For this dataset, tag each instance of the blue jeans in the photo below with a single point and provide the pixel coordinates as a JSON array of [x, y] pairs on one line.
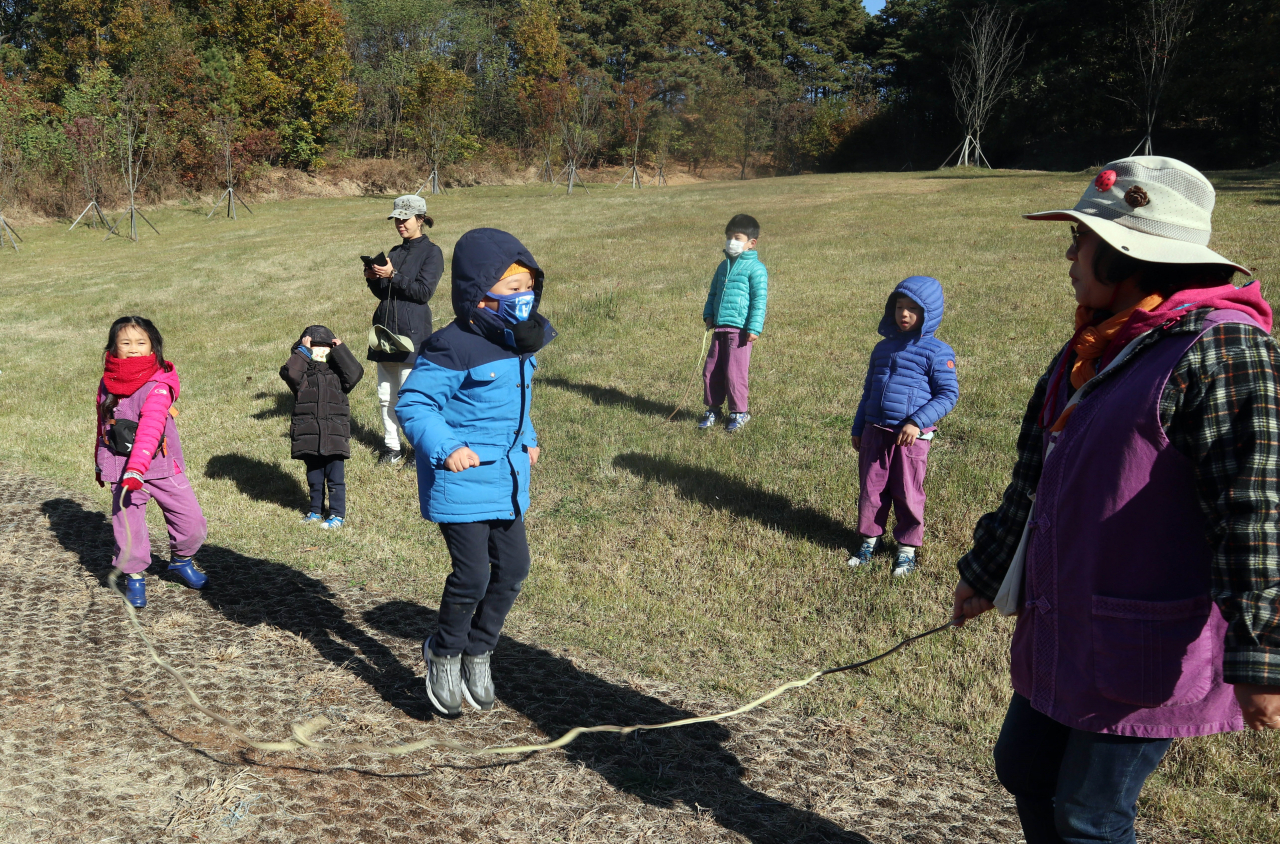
[[1070, 785]]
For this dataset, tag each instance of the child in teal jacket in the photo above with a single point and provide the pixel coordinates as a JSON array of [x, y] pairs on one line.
[[735, 313]]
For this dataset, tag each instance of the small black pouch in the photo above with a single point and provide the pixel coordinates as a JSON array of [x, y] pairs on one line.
[[120, 435]]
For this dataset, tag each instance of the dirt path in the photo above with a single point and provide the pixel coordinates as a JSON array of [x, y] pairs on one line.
[[97, 744]]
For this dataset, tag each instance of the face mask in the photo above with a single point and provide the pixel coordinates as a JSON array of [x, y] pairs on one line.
[[734, 247], [319, 354], [514, 307]]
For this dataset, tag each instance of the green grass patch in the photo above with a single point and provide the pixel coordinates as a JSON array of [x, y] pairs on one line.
[[711, 561]]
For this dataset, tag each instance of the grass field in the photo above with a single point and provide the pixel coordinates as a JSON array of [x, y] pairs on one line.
[[700, 560]]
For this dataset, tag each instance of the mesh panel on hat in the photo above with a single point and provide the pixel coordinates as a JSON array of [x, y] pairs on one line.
[[1149, 226], [1196, 190]]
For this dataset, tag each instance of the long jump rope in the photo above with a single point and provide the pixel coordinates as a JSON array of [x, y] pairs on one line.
[[302, 731]]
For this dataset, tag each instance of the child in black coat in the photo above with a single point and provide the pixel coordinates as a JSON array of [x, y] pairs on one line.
[[320, 372]]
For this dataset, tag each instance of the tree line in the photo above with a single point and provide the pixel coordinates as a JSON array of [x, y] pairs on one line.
[[773, 87]]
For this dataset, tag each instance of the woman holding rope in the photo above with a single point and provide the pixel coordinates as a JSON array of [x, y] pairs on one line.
[[1139, 539]]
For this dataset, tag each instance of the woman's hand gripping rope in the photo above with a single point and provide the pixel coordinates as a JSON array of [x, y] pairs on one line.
[[301, 732], [693, 380]]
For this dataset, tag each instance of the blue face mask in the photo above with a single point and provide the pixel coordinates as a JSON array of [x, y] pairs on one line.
[[514, 307]]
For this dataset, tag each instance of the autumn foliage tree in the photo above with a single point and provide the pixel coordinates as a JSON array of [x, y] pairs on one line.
[[439, 106]]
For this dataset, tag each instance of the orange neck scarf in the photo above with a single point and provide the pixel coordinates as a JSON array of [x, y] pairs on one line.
[[1091, 344]]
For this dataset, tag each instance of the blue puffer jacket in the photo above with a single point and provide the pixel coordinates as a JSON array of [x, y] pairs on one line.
[[470, 388], [910, 376]]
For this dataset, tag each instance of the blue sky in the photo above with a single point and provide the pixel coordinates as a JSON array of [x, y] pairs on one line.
[[873, 6]]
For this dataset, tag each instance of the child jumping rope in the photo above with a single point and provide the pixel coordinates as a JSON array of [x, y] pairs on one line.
[[138, 453], [465, 410]]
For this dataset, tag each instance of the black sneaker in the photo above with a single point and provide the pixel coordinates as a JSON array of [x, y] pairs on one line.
[[390, 457]]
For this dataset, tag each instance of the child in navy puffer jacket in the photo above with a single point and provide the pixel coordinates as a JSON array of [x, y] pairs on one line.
[[465, 409], [910, 385]]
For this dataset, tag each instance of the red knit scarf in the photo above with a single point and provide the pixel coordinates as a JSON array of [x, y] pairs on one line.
[[123, 376]]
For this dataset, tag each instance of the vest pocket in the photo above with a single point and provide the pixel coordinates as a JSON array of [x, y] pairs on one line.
[[1153, 653]]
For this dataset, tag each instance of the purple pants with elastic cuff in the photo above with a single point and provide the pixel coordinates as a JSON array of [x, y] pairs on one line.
[[725, 375], [182, 516], [891, 474]]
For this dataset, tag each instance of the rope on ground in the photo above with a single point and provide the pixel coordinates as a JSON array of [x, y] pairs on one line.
[[302, 731], [702, 356]]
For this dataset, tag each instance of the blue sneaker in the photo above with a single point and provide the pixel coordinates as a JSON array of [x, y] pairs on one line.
[[865, 552], [185, 569], [312, 517], [906, 562], [332, 523], [736, 421], [708, 419], [135, 591]]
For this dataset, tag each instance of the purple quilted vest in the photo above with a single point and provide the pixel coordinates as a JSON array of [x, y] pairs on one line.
[[1118, 633], [167, 461]]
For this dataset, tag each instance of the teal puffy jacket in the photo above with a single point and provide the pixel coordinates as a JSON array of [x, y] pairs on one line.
[[738, 293]]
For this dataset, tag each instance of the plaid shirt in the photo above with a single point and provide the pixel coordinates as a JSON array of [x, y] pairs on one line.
[[1221, 409]]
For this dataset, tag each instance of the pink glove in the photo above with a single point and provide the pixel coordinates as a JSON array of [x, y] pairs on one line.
[[132, 481]]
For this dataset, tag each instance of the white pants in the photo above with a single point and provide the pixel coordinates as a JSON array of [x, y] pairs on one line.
[[391, 378]]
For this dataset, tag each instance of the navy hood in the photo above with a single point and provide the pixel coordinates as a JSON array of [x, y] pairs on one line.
[[480, 257], [926, 292]]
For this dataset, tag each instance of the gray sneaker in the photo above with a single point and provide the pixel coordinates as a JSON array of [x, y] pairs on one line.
[[736, 421], [905, 564], [390, 457], [444, 680], [477, 681]]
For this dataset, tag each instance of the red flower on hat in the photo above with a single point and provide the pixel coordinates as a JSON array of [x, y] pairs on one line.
[[1105, 180]]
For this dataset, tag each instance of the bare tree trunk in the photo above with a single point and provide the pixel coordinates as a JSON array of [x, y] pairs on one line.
[[1157, 37], [980, 77]]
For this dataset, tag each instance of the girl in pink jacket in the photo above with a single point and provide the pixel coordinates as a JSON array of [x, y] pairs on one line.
[[138, 452]]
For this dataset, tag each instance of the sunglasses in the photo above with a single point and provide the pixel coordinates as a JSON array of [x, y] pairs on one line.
[[1077, 235]]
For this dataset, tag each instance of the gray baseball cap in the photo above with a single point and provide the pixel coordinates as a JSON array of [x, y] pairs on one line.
[[409, 206]]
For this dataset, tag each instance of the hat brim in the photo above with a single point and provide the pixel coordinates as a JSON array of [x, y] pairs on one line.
[[401, 215], [1140, 245]]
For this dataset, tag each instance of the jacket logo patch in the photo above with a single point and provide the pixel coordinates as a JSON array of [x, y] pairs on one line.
[[951, 364]]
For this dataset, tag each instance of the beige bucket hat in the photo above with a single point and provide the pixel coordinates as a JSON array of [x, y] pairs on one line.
[[1152, 208]]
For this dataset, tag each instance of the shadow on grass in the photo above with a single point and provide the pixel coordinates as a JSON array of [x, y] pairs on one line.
[[283, 409], [260, 480], [252, 591], [724, 492], [684, 766], [613, 397]]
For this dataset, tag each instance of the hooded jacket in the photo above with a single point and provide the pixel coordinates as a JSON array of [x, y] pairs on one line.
[[471, 388], [739, 293], [321, 425], [911, 376], [1213, 420], [405, 296]]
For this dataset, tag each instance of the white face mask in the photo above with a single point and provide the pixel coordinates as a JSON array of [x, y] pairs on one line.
[[319, 354], [734, 247]]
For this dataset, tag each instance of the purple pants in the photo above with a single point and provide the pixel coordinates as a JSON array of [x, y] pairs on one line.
[[891, 474], [187, 527], [728, 360]]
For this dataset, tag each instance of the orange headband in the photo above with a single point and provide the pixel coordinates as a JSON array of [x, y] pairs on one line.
[[515, 269]]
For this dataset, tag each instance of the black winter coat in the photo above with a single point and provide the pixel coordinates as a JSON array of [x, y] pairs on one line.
[[404, 307], [321, 424]]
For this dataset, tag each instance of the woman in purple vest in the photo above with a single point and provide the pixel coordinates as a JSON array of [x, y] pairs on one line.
[[1139, 539]]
